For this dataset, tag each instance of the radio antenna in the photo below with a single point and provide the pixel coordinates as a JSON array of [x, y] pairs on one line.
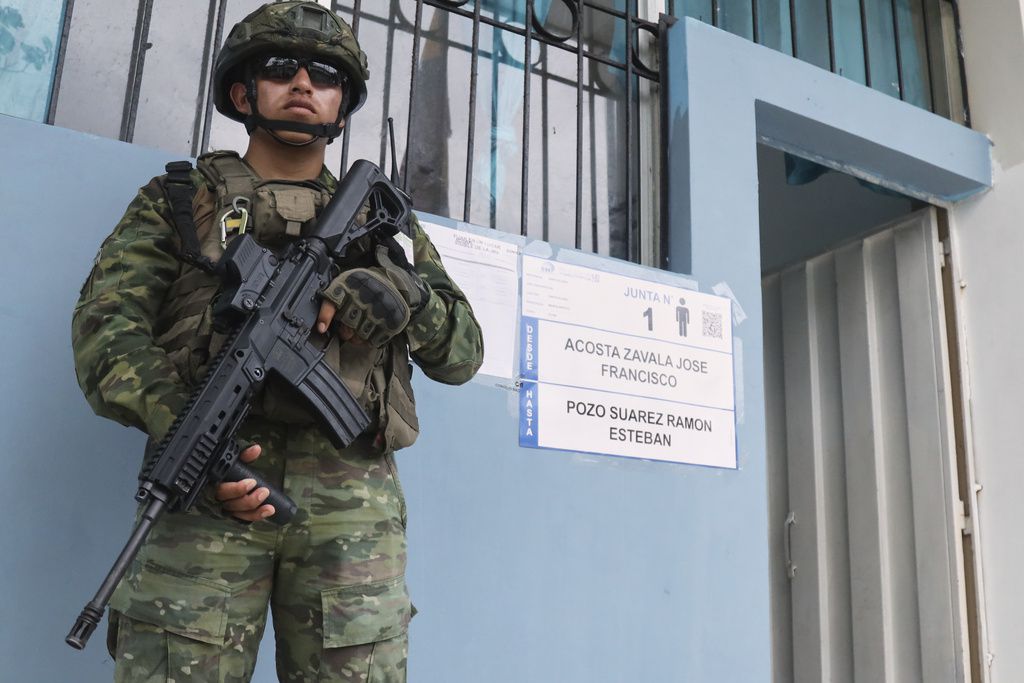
[[394, 155]]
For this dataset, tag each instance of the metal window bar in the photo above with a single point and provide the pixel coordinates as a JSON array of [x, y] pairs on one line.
[[792, 24], [864, 40], [473, 73], [579, 138], [592, 111], [545, 143], [135, 70], [959, 47], [417, 34], [524, 216], [356, 14], [753, 21], [214, 29], [831, 36], [899, 52], [663, 102], [58, 70], [927, 47], [389, 64], [632, 231]]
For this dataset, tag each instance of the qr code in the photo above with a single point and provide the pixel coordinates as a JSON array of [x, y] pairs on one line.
[[712, 324]]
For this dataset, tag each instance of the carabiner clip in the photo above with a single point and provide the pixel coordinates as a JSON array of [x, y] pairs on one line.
[[236, 220]]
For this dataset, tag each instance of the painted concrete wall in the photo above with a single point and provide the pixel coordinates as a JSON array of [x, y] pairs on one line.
[[526, 565], [988, 244]]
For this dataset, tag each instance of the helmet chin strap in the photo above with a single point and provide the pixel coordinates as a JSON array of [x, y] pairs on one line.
[[256, 120], [290, 143]]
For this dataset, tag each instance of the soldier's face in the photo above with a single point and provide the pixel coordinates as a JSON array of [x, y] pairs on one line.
[[298, 98]]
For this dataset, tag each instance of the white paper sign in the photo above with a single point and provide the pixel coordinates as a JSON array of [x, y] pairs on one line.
[[486, 270], [575, 419], [565, 293], [623, 366], [609, 361]]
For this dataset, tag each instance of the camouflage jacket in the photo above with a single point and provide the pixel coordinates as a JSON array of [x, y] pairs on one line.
[[128, 377]]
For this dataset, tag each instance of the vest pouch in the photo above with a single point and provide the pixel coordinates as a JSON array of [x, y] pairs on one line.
[[402, 427], [355, 364], [280, 210]]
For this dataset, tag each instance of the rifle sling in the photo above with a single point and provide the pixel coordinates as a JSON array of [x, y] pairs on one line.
[[180, 193]]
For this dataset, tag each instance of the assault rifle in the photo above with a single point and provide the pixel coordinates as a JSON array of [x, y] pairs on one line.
[[269, 302]]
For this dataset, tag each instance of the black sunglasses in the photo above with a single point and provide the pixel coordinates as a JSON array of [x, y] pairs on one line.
[[285, 68]]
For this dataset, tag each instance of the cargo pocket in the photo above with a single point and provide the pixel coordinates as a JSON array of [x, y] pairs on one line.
[[366, 613], [193, 607]]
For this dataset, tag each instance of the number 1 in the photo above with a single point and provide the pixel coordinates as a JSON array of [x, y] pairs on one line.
[[649, 314]]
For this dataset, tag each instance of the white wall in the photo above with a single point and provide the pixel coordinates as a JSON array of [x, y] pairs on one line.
[[988, 245]]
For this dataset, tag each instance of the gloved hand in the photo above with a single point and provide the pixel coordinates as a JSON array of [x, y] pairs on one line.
[[376, 303]]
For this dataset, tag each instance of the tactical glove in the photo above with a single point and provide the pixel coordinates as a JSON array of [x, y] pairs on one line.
[[377, 302]]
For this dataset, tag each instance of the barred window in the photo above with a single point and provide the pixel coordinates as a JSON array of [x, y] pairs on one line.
[[555, 156]]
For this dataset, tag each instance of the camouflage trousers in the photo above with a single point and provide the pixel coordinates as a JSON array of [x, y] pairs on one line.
[[193, 606]]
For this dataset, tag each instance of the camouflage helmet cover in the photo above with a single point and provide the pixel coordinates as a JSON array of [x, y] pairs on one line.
[[305, 28]]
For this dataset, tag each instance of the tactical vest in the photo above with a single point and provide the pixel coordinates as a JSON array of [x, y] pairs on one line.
[[275, 211]]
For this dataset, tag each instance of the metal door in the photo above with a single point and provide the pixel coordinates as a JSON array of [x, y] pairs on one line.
[[864, 512]]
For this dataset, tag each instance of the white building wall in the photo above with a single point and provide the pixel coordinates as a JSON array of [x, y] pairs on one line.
[[987, 236]]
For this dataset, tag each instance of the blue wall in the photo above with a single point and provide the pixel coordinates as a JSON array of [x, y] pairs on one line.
[[66, 477]]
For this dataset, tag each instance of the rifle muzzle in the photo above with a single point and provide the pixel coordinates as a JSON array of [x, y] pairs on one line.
[[86, 623]]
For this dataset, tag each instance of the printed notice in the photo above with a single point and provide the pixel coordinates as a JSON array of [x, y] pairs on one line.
[[486, 270], [622, 366]]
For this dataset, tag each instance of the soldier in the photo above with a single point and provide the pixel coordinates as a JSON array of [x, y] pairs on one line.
[[193, 606]]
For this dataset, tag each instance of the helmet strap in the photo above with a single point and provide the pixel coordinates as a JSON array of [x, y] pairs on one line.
[[289, 142], [256, 120]]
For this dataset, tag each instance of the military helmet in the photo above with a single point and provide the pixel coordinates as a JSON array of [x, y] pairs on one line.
[[289, 28]]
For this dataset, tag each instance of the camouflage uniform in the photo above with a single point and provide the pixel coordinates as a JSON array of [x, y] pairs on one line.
[[193, 605]]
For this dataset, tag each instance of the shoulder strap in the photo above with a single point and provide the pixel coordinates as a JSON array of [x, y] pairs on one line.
[[229, 174], [180, 193]]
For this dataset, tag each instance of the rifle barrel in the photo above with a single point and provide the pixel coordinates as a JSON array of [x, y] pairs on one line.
[[92, 613]]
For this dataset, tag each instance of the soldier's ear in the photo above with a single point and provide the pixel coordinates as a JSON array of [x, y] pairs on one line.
[[238, 98]]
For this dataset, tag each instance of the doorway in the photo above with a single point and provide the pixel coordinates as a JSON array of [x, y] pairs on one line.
[[864, 513]]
